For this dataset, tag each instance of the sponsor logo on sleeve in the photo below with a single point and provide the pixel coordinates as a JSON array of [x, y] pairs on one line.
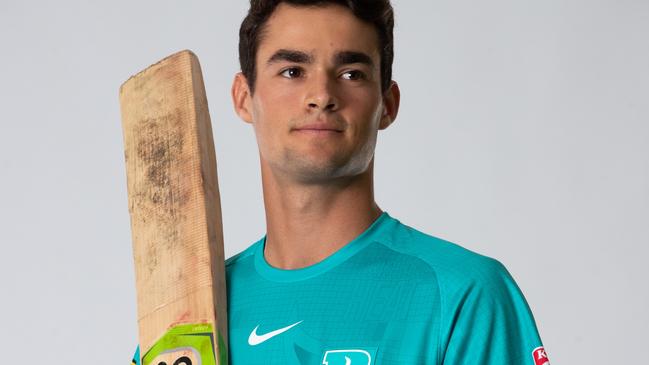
[[540, 356]]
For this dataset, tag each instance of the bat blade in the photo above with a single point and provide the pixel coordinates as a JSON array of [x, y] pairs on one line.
[[174, 205]]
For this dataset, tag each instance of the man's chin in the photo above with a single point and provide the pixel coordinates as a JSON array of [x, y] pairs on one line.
[[323, 172]]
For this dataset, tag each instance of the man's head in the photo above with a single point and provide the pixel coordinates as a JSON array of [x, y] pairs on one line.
[[319, 96], [377, 12]]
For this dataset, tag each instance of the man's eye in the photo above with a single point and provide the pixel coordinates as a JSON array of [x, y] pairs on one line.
[[291, 73], [353, 75]]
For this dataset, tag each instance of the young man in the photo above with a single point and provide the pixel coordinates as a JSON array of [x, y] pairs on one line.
[[336, 280]]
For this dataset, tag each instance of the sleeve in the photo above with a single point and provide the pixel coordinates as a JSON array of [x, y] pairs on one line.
[[136, 357], [488, 321]]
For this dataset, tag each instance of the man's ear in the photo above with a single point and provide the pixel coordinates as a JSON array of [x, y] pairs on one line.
[[241, 97], [391, 98]]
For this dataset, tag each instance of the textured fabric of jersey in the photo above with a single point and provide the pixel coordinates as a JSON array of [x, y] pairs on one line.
[[393, 295]]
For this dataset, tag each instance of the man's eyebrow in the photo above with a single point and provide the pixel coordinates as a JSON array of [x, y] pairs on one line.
[[290, 55], [347, 57]]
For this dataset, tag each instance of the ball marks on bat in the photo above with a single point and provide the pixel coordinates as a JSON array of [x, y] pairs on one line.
[[159, 195]]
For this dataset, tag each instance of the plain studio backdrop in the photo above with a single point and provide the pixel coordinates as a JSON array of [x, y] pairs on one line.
[[523, 135]]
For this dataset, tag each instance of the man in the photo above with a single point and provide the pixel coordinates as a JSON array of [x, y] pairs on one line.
[[336, 280]]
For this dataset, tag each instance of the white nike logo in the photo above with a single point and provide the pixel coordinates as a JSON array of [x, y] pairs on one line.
[[255, 339]]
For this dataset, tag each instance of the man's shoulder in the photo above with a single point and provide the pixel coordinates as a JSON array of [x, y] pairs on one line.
[[242, 257], [450, 262], [477, 296]]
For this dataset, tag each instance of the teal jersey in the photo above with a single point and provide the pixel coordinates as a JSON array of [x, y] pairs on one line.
[[393, 295]]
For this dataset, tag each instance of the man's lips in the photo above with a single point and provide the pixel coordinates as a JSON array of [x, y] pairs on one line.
[[319, 127]]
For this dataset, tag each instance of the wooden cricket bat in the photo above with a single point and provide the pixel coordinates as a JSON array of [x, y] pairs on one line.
[[175, 210]]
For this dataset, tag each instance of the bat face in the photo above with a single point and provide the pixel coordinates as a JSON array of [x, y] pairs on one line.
[[180, 356], [175, 214]]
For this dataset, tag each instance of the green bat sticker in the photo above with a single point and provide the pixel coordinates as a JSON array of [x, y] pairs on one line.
[[188, 344]]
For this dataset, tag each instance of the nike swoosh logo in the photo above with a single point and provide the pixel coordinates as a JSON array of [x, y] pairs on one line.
[[255, 339]]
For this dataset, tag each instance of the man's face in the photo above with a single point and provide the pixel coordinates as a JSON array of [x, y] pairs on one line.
[[317, 102]]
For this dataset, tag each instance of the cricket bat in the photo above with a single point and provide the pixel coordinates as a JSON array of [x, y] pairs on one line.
[[174, 205]]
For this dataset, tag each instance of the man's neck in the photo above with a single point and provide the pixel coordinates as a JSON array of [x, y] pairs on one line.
[[307, 223]]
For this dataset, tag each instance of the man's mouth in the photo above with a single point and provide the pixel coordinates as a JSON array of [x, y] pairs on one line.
[[319, 127]]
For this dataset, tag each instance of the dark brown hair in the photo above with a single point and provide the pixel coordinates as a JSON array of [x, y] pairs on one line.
[[377, 12]]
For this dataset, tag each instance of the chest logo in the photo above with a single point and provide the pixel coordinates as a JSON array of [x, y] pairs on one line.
[[255, 339], [349, 357]]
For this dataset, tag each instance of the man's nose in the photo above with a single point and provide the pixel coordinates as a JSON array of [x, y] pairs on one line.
[[321, 93]]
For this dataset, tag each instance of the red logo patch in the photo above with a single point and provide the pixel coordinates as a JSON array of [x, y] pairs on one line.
[[540, 357]]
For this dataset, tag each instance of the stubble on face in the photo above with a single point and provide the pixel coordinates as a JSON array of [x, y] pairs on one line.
[[308, 170]]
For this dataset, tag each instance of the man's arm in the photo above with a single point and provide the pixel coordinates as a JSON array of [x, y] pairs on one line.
[[490, 323]]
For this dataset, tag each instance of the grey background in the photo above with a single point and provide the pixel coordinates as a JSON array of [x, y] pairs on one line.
[[523, 135]]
